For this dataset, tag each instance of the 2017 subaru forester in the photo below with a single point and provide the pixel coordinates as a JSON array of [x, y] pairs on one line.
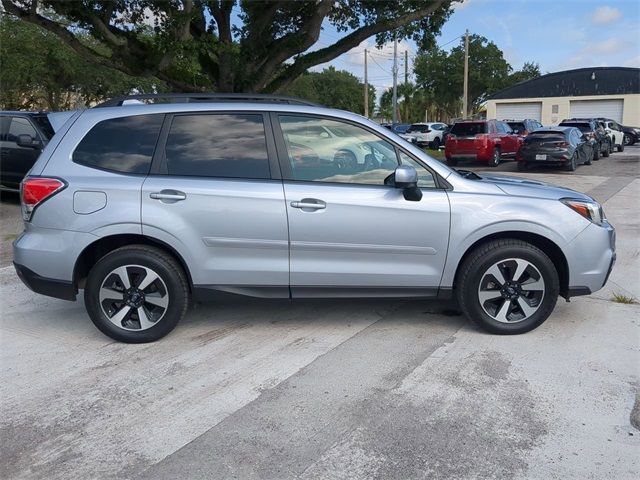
[[146, 206]]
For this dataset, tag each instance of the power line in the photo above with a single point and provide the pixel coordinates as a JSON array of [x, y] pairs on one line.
[[374, 61]]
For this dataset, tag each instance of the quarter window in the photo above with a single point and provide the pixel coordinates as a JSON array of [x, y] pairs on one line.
[[347, 154], [123, 144], [218, 145]]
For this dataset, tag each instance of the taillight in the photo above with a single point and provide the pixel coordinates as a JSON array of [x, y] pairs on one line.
[[35, 190], [561, 144]]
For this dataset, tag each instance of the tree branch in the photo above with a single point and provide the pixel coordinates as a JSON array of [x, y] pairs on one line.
[[302, 63]]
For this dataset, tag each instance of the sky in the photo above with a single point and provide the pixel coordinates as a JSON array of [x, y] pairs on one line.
[[557, 34]]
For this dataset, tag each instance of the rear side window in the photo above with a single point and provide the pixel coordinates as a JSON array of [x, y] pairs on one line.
[[469, 129], [123, 145], [517, 127], [21, 126], [418, 128], [584, 127], [219, 145]]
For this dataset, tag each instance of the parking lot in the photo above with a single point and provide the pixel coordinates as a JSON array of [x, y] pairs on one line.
[[332, 389]]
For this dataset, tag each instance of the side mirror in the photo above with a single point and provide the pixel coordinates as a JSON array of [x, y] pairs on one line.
[[406, 178], [27, 141]]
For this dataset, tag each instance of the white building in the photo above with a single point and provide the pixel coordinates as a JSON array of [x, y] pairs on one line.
[[610, 92]]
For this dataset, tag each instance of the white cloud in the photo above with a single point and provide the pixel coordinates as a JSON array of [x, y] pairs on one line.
[[461, 5], [605, 14]]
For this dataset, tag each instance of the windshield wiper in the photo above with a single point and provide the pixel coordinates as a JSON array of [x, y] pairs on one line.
[[468, 174]]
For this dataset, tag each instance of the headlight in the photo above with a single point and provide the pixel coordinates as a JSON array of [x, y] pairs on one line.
[[592, 211]]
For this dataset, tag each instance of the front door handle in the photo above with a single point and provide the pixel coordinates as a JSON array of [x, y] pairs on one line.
[[168, 196], [309, 204]]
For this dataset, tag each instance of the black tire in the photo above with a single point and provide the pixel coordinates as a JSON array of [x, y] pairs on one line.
[[570, 166], [436, 143], [588, 160], [495, 158], [596, 152], [605, 152], [168, 270], [345, 160], [628, 139], [621, 148], [452, 162], [522, 166], [474, 269]]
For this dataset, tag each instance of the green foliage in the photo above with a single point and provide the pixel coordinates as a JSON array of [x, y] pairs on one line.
[[333, 88], [412, 103], [441, 75], [39, 71], [194, 45]]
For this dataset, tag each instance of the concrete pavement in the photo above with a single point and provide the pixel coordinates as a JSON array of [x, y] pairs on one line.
[[329, 389]]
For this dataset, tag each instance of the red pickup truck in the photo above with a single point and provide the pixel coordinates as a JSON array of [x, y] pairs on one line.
[[483, 140]]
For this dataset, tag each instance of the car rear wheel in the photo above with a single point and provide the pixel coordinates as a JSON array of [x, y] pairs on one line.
[[606, 150], [495, 158], [571, 164], [136, 294], [621, 148], [436, 144], [596, 152], [507, 286], [627, 139]]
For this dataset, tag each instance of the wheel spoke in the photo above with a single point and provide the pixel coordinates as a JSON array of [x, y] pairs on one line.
[[485, 295], [501, 316], [123, 275], [527, 309], [497, 274], [110, 294], [144, 319], [521, 267], [120, 315], [535, 285], [149, 278], [159, 301]]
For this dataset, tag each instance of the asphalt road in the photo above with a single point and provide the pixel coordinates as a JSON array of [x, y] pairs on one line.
[[353, 389]]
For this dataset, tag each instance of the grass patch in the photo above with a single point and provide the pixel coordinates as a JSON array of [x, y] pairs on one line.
[[620, 298], [11, 236]]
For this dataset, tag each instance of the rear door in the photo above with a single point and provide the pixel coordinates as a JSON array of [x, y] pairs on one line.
[[17, 161], [351, 233], [215, 195], [509, 140]]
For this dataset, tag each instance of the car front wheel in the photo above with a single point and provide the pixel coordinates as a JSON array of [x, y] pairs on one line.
[[136, 294], [507, 286]]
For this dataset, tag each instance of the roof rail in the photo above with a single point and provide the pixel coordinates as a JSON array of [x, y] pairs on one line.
[[204, 97]]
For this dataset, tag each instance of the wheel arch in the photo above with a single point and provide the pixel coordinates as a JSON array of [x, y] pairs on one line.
[[549, 247], [104, 245]]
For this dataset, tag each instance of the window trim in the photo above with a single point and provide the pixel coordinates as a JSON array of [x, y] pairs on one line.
[[287, 172], [159, 161]]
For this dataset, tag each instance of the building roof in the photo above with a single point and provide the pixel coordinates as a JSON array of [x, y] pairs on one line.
[[576, 83]]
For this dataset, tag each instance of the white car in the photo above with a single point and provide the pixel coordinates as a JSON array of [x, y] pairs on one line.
[[614, 130], [428, 134]]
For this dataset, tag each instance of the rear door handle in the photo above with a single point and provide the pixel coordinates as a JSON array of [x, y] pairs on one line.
[[309, 204], [168, 196]]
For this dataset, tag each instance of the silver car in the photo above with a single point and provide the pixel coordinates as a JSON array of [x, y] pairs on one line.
[[147, 206]]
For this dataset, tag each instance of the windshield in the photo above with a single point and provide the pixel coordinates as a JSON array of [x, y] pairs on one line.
[[469, 129]]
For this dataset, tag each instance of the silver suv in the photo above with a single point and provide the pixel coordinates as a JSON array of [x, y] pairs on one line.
[[148, 205]]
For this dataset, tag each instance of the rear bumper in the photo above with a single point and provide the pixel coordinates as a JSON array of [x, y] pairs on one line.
[[552, 158], [46, 286]]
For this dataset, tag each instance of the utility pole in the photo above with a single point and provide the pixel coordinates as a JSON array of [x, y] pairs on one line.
[[366, 87], [395, 80], [406, 67], [466, 75]]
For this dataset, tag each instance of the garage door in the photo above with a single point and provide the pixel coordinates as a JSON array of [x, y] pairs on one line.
[[519, 111], [596, 108]]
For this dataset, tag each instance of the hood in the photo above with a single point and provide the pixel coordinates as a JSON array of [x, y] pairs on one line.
[[524, 187]]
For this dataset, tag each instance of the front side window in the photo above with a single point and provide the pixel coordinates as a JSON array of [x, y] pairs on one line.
[[219, 145], [354, 156], [21, 126], [124, 145], [425, 177]]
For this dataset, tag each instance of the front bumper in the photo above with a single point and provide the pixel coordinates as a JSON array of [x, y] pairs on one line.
[[591, 257]]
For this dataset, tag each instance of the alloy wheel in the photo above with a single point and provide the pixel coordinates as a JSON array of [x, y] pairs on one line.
[[133, 297], [511, 290]]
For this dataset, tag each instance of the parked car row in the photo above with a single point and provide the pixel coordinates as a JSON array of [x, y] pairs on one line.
[[574, 141]]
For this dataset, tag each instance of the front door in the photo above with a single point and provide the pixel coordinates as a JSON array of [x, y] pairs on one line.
[[215, 198], [17, 160], [348, 231]]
